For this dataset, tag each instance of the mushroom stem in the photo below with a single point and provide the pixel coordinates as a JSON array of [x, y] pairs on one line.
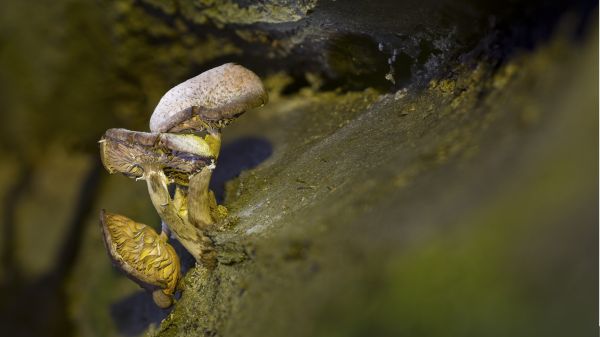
[[198, 200], [161, 299], [198, 207], [192, 238]]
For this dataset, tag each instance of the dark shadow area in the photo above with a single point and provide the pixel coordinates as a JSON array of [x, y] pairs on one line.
[[356, 62], [237, 156], [298, 82], [44, 296], [186, 259], [133, 314], [14, 195]]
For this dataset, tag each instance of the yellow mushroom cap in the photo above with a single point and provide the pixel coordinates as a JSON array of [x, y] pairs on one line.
[[140, 252]]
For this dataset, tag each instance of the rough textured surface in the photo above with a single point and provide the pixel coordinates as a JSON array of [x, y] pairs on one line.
[[243, 12], [424, 212]]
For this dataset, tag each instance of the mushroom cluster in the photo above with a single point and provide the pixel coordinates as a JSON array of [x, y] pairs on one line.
[[176, 159]]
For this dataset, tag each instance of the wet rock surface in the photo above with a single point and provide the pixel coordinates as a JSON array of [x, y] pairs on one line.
[[417, 212]]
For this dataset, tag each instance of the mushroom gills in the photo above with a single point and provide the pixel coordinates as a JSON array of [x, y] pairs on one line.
[[131, 152], [197, 124]]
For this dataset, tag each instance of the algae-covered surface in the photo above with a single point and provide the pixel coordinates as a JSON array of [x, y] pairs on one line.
[[464, 208]]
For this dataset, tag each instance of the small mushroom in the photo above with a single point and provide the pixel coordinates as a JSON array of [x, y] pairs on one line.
[[143, 255]]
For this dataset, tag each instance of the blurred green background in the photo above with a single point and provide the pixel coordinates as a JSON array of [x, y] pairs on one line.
[[434, 162]]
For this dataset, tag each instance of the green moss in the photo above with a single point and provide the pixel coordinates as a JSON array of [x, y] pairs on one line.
[[230, 12]]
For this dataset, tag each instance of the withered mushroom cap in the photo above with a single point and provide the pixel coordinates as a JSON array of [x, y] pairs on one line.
[[131, 153], [140, 252], [218, 94]]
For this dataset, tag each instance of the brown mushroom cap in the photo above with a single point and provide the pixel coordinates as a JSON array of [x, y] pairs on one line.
[[221, 93], [131, 152]]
